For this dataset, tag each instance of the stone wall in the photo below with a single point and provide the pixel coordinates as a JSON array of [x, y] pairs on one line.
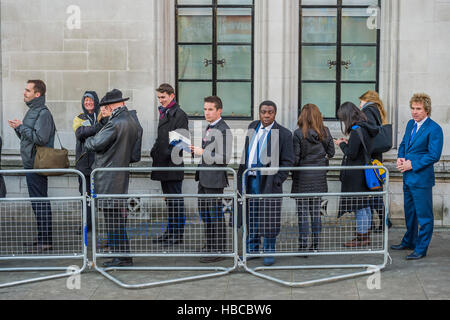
[[114, 47]]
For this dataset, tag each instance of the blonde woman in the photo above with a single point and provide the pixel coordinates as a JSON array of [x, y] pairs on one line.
[[373, 108]]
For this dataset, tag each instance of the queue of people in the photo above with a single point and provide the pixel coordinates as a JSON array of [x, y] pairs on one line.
[[109, 136]]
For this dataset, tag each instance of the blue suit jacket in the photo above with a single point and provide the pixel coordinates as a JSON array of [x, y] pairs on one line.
[[423, 151]]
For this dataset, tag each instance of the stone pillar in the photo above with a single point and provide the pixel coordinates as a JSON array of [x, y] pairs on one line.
[[276, 57]]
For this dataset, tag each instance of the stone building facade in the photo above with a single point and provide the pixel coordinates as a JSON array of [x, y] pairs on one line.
[[78, 45]]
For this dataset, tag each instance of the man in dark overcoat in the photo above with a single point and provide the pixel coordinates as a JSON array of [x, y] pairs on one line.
[[171, 119], [113, 146]]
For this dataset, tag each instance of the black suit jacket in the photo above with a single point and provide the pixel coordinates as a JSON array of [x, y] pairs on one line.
[[281, 142], [217, 144]]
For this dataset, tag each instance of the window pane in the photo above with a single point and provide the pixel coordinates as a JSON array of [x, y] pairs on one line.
[[319, 25], [237, 62], [236, 98], [238, 2], [315, 63], [351, 92], [323, 95], [363, 63], [194, 25], [319, 2], [355, 28], [191, 64], [191, 96], [360, 2], [188, 2], [234, 25]]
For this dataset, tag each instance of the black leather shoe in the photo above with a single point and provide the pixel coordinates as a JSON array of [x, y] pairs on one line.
[[30, 244], [415, 256], [39, 249], [400, 247], [161, 239], [211, 259], [172, 241], [119, 262]]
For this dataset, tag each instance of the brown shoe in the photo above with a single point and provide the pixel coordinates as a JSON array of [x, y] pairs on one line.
[[361, 240]]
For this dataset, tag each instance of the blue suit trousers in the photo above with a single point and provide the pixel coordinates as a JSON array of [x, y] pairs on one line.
[[419, 218]]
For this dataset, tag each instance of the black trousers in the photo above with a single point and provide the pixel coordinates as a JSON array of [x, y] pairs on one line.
[[175, 206], [309, 208], [211, 213], [38, 188], [116, 224]]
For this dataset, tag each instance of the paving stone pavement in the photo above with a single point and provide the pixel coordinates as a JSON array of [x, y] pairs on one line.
[[426, 279]]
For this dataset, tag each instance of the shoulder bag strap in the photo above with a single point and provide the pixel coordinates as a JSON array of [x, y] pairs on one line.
[[366, 153], [56, 131]]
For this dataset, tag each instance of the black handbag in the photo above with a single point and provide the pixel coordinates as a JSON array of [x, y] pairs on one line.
[[382, 142]]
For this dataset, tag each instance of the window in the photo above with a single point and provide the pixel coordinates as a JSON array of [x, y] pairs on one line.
[[214, 54], [339, 52]]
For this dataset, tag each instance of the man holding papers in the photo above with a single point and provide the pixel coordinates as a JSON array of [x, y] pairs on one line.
[[164, 154], [216, 151]]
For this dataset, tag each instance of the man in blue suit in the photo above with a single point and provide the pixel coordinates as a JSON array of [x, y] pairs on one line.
[[420, 149]]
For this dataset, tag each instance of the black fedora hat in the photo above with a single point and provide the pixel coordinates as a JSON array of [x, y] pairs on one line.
[[111, 97]]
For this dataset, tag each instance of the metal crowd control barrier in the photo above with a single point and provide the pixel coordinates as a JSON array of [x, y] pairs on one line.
[[314, 225], [150, 226], [37, 231]]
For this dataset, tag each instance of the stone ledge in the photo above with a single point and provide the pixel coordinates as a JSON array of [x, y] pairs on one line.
[[11, 160]]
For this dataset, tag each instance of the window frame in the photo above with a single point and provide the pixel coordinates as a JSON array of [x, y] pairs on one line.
[[214, 6], [338, 45]]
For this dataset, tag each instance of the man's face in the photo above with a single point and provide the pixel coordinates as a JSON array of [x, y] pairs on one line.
[[418, 111], [267, 115], [29, 93], [165, 99], [106, 111], [89, 104], [211, 112]]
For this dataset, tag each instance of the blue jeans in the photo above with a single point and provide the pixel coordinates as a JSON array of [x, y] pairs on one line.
[[363, 220]]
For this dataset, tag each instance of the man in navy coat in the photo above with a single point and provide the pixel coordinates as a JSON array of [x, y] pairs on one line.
[[268, 145], [420, 149]]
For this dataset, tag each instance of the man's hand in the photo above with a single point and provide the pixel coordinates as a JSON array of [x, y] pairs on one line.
[[405, 166], [197, 151], [14, 123], [400, 162]]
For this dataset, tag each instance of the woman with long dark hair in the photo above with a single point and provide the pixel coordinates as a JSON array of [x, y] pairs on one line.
[[353, 119], [372, 106], [313, 147]]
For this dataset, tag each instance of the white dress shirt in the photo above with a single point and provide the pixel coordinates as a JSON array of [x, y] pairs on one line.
[[419, 124], [252, 159]]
